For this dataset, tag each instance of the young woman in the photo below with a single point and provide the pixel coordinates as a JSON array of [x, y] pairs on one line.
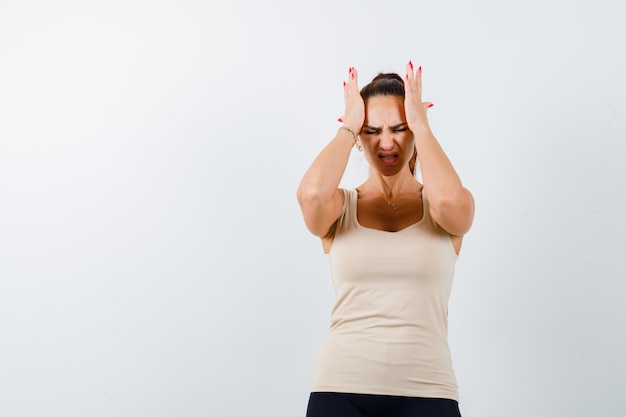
[[392, 244]]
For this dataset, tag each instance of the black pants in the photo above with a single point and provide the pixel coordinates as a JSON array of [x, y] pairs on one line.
[[334, 404]]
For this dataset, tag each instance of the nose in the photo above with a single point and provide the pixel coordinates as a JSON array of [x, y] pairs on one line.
[[386, 140]]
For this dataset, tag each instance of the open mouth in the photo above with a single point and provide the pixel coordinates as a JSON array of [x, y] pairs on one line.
[[388, 158]]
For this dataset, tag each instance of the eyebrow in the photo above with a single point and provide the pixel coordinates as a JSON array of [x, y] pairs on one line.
[[390, 127]]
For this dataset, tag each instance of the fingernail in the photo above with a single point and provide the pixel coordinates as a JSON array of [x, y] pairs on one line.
[[430, 105], [420, 69], [344, 83], [406, 76], [411, 65], [340, 120]]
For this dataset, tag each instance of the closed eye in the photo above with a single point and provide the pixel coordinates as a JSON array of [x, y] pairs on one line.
[[371, 131], [399, 128]]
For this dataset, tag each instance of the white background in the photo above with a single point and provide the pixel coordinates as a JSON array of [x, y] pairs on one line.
[[153, 260]]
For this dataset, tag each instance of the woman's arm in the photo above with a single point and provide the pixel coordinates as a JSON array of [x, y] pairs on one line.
[[451, 204], [319, 196]]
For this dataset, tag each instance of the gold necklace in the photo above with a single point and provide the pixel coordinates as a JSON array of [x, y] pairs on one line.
[[393, 205]]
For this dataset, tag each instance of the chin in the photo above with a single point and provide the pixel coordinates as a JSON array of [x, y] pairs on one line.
[[389, 171]]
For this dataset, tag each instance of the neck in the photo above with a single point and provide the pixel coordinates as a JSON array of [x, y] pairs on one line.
[[393, 186]]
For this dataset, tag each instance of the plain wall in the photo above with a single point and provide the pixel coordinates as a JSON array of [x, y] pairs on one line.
[[153, 259]]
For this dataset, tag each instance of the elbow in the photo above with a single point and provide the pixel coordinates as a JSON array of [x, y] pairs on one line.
[[304, 195], [308, 194]]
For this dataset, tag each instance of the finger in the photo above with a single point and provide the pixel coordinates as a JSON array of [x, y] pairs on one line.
[[413, 79], [418, 78], [409, 76], [347, 84], [354, 77]]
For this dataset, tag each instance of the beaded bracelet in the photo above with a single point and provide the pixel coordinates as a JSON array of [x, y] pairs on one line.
[[354, 135]]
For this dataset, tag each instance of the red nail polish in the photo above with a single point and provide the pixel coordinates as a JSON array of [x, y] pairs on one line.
[[420, 69], [344, 83], [411, 65], [430, 105], [406, 76], [340, 120]]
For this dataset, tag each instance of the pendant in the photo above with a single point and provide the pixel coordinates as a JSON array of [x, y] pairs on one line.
[[393, 205]]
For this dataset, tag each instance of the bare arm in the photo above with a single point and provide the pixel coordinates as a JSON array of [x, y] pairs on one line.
[[318, 194], [451, 204]]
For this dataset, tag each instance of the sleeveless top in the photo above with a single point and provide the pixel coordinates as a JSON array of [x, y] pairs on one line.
[[389, 326]]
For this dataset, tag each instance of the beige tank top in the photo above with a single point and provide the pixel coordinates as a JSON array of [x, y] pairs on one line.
[[389, 324]]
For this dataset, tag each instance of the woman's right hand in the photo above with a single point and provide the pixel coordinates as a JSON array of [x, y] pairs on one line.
[[354, 115]]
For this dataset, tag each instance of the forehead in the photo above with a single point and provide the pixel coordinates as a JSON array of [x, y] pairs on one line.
[[380, 110]]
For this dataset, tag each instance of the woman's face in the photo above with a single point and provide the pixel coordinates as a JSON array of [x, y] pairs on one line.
[[386, 138]]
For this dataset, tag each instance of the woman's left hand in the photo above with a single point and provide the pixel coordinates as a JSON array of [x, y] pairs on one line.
[[414, 108]]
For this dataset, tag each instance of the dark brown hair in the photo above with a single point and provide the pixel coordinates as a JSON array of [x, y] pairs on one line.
[[388, 84], [384, 84]]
